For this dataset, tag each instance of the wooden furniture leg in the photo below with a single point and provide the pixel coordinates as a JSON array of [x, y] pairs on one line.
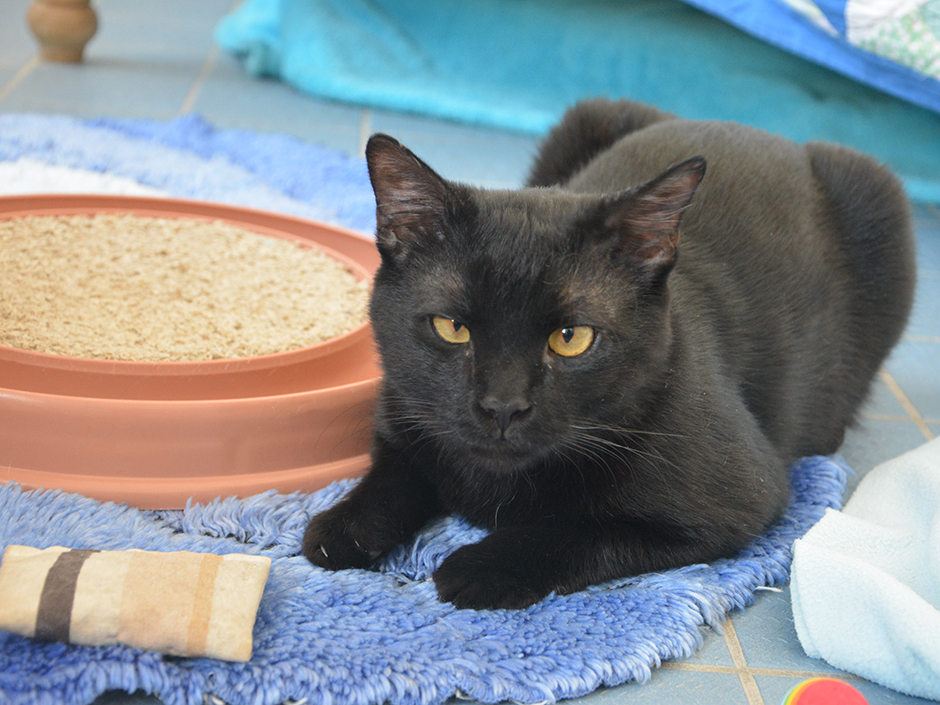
[[62, 28]]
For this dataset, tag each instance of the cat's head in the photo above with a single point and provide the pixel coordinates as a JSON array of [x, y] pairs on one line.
[[512, 324]]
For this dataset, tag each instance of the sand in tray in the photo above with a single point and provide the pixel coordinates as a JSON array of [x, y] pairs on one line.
[[123, 287]]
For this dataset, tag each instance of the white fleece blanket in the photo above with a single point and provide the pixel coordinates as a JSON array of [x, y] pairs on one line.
[[866, 581]]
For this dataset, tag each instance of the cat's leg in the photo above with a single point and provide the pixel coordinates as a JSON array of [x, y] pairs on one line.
[[389, 505], [515, 567], [585, 131]]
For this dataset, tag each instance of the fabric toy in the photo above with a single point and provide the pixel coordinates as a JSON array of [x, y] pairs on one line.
[[178, 603]]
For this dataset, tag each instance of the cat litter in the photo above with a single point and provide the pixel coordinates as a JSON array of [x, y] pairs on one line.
[[124, 287]]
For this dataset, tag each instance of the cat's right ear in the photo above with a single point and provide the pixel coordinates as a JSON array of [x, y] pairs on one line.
[[411, 200]]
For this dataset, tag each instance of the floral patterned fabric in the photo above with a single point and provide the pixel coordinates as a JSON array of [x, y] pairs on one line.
[[905, 31]]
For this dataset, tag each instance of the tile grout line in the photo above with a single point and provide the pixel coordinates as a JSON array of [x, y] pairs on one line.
[[907, 404], [806, 675], [775, 672], [751, 691], [892, 417], [20, 76], [190, 100]]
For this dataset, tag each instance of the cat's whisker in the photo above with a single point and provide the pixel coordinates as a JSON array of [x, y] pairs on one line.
[[628, 431], [615, 449], [599, 459]]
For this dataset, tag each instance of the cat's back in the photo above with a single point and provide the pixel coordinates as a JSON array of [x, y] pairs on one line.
[[796, 263], [758, 212], [756, 221], [751, 175]]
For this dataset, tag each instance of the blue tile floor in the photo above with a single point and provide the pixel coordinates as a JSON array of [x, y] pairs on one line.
[[158, 60]]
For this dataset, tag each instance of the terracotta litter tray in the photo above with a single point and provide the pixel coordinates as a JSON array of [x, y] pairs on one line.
[[155, 435]]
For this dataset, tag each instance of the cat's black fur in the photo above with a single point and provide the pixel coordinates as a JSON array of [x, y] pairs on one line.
[[720, 355]]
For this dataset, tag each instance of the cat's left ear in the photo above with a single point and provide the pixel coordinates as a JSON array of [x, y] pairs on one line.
[[645, 221], [411, 200]]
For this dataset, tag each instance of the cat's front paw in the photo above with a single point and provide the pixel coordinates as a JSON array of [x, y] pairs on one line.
[[338, 539], [481, 576]]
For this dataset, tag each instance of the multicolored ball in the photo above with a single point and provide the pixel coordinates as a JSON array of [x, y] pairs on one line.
[[824, 691]]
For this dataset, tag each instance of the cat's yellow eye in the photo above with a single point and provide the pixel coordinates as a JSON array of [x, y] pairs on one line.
[[570, 342], [450, 330]]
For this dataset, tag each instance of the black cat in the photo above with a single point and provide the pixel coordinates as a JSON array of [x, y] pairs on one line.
[[558, 372]]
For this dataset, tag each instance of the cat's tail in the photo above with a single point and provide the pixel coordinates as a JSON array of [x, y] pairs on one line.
[[586, 130], [870, 213]]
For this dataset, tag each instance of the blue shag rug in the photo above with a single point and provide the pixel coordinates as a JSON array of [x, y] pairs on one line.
[[354, 637], [365, 638], [518, 64]]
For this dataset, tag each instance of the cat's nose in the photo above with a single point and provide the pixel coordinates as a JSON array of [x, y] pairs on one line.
[[504, 412]]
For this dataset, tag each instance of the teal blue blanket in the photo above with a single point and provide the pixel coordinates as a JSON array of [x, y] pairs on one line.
[[517, 64]]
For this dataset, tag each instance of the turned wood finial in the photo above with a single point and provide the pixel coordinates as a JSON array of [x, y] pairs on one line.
[[62, 28]]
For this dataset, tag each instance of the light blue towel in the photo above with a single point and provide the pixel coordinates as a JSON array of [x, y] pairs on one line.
[[519, 65], [866, 581]]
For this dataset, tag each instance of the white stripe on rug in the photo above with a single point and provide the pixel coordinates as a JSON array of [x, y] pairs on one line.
[[32, 176]]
